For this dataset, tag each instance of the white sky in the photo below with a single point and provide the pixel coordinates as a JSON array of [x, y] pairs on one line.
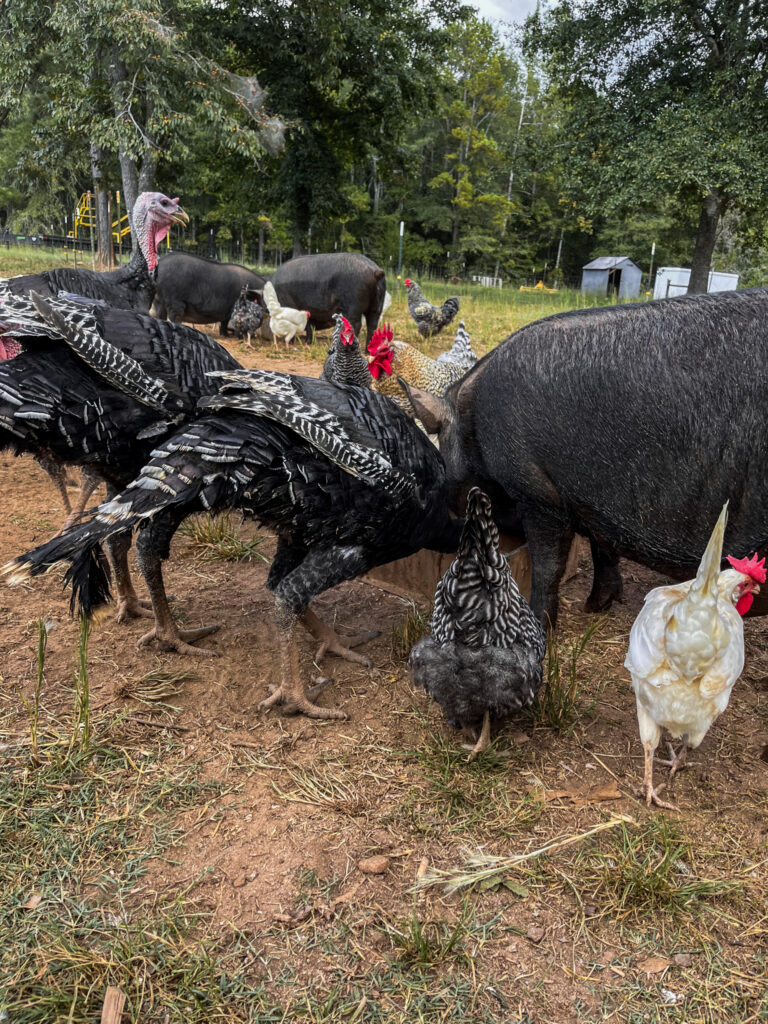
[[505, 10]]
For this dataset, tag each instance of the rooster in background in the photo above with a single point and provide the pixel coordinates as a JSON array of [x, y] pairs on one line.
[[345, 363], [686, 651], [484, 656], [461, 354], [284, 322], [392, 359], [429, 319]]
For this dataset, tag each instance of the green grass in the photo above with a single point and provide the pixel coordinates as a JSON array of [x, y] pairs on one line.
[[557, 705], [216, 537]]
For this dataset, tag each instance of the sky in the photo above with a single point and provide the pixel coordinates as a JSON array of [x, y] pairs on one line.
[[506, 10]]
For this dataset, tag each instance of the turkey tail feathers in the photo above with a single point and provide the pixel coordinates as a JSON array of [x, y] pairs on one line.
[[88, 572], [75, 323]]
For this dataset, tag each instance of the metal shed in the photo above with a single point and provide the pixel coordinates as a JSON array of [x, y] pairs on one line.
[[612, 275]]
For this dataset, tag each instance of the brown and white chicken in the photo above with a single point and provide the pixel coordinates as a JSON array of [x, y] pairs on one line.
[[284, 321], [390, 359], [429, 319], [686, 651]]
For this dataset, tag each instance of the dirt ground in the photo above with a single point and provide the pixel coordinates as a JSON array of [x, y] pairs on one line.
[[276, 855]]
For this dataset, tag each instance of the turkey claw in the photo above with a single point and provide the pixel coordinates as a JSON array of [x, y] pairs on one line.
[[133, 609], [181, 641]]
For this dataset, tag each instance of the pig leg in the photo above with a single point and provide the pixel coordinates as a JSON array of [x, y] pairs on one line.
[[606, 584], [549, 541]]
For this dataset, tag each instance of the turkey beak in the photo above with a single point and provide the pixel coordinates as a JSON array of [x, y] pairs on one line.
[[180, 217]]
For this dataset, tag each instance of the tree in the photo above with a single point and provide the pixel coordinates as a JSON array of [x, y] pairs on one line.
[[122, 75], [666, 100]]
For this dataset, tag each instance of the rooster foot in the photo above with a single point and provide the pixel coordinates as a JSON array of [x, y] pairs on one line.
[[303, 704], [483, 740], [133, 608], [180, 641], [651, 795]]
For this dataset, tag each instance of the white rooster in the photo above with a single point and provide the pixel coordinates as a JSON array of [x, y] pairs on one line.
[[686, 651], [284, 322]]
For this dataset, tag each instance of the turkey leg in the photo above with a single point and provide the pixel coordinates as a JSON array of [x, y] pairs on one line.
[[129, 606], [88, 485], [152, 547]]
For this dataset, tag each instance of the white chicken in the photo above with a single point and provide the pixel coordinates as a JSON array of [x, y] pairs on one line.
[[284, 322], [686, 651]]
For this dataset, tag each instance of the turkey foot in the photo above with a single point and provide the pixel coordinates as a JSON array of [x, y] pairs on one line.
[[330, 642], [483, 740], [296, 700], [676, 761], [132, 607], [171, 638]]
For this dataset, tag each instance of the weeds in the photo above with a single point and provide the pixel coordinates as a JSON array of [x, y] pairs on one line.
[[414, 626], [647, 870], [556, 706], [33, 706], [426, 943], [81, 724], [216, 537]]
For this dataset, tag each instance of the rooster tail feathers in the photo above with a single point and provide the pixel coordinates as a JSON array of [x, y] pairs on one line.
[[270, 298], [77, 325], [480, 533], [709, 567]]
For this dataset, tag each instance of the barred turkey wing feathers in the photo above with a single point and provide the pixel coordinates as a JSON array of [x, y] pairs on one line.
[[80, 329]]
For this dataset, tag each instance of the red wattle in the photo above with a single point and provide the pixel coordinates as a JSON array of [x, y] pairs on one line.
[[745, 603]]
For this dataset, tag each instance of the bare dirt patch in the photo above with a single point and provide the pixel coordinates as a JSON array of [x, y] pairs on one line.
[[619, 927]]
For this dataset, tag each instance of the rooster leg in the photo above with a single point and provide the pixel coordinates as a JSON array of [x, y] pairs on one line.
[[651, 794], [483, 740], [152, 547], [676, 761], [291, 692], [128, 604], [330, 642]]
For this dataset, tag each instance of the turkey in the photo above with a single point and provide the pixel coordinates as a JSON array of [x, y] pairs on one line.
[[128, 287], [345, 363], [344, 479], [100, 392], [429, 319], [483, 657]]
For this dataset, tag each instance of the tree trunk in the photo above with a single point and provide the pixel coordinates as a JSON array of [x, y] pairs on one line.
[[298, 248], [260, 257], [712, 210], [103, 227]]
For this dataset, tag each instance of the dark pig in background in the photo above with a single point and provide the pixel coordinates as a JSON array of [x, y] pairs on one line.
[[195, 290], [631, 425]]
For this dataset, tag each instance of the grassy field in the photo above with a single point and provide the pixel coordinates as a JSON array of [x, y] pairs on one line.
[[163, 836]]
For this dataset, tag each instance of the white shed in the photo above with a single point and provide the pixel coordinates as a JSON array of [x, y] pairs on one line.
[[612, 275], [674, 281]]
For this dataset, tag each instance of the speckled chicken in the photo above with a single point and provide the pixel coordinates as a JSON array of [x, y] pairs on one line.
[[392, 359], [686, 651], [461, 353], [345, 363], [429, 319], [483, 657], [246, 316]]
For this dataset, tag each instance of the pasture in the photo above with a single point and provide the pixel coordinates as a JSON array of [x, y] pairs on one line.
[[215, 862]]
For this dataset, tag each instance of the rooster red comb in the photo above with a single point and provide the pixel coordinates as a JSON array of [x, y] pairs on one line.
[[381, 338], [749, 567], [408, 282]]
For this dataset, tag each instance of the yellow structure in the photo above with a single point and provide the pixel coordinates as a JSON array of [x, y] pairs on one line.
[[537, 288]]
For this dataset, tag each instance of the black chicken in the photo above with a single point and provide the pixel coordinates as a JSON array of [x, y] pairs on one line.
[[128, 287], [429, 319], [340, 474], [246, 316], [484, 655], [345, 363], [100, 393]]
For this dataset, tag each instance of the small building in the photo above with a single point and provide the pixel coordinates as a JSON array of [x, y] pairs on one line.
[[674, 281], [617, 276]]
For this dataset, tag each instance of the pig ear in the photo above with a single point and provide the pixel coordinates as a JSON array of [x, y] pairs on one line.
[[432, 410]]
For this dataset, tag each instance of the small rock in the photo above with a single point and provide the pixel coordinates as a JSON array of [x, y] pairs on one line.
[[374, 865], [653, 965], [683, 959], [590, 910], [535, 933]]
